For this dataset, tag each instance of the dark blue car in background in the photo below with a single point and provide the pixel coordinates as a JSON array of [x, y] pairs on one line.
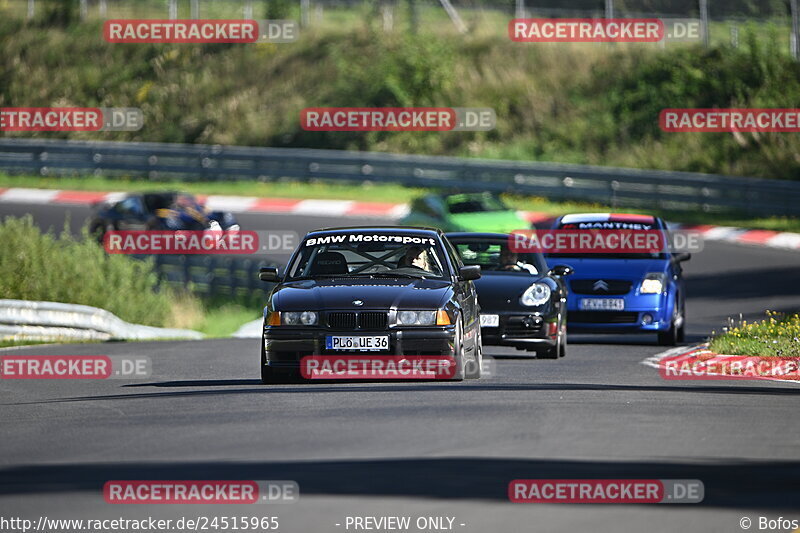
[[624, 293]]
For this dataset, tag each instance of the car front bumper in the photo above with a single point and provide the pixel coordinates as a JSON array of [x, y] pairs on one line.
[[521, 330], [285, 347], [642, 313]]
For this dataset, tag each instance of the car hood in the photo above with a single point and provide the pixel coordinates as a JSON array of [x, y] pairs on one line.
[[489, 222], [627, 269], [317, 295], [498, 291]]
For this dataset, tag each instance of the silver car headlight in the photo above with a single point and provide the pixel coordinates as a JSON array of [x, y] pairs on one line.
[[653, 283], [536, 294], [299, 318], [416, 318]]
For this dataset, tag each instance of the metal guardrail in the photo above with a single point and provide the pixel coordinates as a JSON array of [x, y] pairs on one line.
[[618, 187], [28, 320]]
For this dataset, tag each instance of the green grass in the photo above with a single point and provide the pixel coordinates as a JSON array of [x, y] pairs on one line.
[[225, 319], [374, 193], [777, 335], [589, 104], [63, 268], [68, 269], [11, 343]]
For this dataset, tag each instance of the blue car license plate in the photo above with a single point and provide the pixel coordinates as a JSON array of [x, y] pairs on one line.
[[602, 304]]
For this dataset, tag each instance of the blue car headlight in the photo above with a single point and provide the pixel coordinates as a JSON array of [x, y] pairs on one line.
[[536, 294], [653, 283]]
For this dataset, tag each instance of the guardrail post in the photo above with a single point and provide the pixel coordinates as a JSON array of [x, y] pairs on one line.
[[172, 9], [704, 22], [305, 7], [795, 29], [31, 9]]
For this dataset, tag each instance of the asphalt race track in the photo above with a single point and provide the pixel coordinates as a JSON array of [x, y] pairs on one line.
[[421, 449]]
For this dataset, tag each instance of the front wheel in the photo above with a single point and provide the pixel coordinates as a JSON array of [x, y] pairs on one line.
[[475, 367], [268, 376], [458, 352], [674, 334]]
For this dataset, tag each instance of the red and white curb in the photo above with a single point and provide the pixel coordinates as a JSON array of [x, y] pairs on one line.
[[753, 237], [386, 210], [701, 354], [235, 204]]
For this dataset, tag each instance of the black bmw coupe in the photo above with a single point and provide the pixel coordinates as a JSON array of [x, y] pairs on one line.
[[389, 292]]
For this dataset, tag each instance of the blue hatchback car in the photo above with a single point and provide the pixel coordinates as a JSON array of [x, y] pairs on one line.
[[624, 293]]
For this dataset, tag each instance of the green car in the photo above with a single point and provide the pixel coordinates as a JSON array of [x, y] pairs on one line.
[[476, 212]]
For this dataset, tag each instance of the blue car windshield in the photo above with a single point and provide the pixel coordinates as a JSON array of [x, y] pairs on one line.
[[587, 226]]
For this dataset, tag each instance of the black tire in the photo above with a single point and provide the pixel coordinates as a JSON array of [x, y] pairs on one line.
[[473, 370], [268, 374], [458, 349], [682, 333], [669, 337], [553, 352], [98, 230]]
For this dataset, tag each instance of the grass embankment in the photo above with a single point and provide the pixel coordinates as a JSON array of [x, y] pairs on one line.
[[589, 104], [374, 193], [62, 268], [777, 335]]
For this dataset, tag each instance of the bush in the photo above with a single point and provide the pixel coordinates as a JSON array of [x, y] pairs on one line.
[[45, 267]]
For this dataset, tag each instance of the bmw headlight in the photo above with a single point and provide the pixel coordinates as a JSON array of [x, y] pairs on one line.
[[299, 318], [653, 283], [536, 294], [416, 318]]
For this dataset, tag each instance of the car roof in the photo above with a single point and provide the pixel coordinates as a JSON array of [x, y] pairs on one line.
[[411, 230], [573, 218]]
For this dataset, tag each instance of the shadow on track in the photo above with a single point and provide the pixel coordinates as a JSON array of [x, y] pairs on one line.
[[739, 484], [216, 387]]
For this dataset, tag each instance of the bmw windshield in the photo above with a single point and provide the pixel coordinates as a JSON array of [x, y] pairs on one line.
[[352, 255]]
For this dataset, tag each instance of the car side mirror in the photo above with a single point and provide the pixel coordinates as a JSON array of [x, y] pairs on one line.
[[468, 273], [681, 257], [561, 270], [268, 274]]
